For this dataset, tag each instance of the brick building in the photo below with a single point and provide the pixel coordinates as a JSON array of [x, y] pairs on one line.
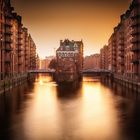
[[44, 63], [1, 38], [135, 38], [69, 60], [17, 50], [32, 53], [92, 62], [124, 44], [25, 40], [104, 60]]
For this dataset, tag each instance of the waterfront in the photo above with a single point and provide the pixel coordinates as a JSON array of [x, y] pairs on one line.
[[91, 110]]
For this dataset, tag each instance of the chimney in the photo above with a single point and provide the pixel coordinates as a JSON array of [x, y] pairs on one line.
[[61, 41]]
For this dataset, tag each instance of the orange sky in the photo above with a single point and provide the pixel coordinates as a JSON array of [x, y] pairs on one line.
[[49, 21]]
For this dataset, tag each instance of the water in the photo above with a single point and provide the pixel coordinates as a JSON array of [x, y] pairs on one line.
[[91, 110]]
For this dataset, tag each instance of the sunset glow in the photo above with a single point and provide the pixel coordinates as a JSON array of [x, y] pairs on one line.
[[52, 20]]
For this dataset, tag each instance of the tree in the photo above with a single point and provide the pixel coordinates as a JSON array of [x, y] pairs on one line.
[[53, 64]]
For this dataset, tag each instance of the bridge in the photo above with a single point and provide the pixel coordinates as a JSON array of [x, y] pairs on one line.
[[42, 71], [96, 72]]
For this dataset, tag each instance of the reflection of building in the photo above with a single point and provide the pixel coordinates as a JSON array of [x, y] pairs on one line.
[[92, 62], [124, 44], [69, 60], [17, 51]]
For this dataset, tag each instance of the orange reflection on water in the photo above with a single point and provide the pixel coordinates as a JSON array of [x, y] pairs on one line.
[[44, 79], [87, 113], [43, 115], [99, 118]]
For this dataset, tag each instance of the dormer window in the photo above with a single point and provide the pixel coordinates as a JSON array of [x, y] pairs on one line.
[[67, 48], [75, 46]]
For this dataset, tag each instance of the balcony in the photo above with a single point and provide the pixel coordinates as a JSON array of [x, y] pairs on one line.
[[135, 40], [8, 31], [135, 16], [135, 48], [121, 63], [19, 38], [19, 44], [135, 32], [121, 49], [8, 24], [8, 59], [135, 60], [19, 54], [121, 43], [8, 40], [26, 54], [20, 31], [26, 58], [135, 23], [121, 55], [20, 62], [8, 48], [8, 16], [19, 48]]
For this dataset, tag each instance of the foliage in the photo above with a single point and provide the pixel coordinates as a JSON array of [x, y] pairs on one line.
[[53, 64]]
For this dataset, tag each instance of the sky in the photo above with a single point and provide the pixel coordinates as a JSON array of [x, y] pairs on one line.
[[50, 21]]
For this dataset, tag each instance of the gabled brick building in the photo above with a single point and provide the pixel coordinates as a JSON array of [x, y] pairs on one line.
[[69, 60]]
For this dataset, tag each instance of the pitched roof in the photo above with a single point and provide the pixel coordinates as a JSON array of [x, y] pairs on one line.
[[68, 45]]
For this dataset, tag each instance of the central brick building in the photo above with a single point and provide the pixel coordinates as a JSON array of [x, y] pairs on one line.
[[69, 61]]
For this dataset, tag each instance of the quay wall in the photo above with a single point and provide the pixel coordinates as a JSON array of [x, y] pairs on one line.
[[133, 84], [9, 83]]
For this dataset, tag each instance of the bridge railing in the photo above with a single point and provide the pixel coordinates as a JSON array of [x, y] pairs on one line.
[[42, 71], [96, 71]]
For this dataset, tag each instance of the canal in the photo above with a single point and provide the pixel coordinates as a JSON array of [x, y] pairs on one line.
[[90, 110]]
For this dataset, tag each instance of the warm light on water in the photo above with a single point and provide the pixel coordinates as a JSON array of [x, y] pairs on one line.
[[99, 116], [45, 111]]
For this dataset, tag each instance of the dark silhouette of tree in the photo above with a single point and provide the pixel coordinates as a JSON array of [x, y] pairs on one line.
[[53, 64]]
